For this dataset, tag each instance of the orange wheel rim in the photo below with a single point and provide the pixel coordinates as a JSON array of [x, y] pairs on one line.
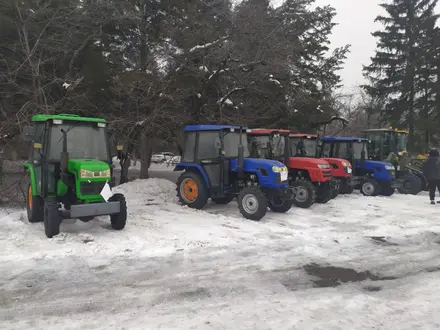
[[30, 197], [190, 190]]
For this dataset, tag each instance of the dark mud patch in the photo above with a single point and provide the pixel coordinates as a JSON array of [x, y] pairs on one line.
[[372, 288], [330, 276], [196, 294], [381, 240]]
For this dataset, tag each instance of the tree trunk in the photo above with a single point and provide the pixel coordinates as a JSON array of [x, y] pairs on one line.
[[125, 165], [146, 152]]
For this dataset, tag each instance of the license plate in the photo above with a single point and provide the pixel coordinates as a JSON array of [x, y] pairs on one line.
[[349, 170], [284, 176]]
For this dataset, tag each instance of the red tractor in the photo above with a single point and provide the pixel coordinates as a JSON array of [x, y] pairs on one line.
[[306, 145], [311, 177]]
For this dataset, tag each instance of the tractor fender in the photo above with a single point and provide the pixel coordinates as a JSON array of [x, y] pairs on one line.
[[193, 167], [33, 179]]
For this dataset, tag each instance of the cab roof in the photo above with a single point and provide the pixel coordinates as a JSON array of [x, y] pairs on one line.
[[211, 127], [64, 116], [343, 139], [387, 130], [265, 131], [303, 135]]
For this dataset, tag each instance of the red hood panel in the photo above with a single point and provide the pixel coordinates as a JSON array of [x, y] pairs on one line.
[[306, 162], [337, 161]]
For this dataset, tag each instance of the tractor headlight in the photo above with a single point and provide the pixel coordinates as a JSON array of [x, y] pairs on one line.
[[346, 164], [389, 167], [279, 169], [324, 166], [86, 174]]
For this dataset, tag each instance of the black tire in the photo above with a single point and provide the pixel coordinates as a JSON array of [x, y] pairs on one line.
[[223, 200], [197, 200], [119, 220], [324, 194], [346, 188], [280, 206], [252, 203], [52, 218], [336, 189], [411, 184], [370, 187], [305, 193], [34, 207], [387, 190]]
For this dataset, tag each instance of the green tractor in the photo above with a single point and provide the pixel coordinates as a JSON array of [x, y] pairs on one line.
[[390, 145], [70, 172]]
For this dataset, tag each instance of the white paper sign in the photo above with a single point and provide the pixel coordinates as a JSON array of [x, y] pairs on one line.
[[106, 192], [284, 176]]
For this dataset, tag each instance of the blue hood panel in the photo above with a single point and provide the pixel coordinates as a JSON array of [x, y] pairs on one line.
[[378, 168], [253, 165]]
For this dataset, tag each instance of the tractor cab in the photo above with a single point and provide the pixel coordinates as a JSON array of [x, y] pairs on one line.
[[371, 177], [310, 177], [70, 164], [390, 145], [217, 165], [308, 145]]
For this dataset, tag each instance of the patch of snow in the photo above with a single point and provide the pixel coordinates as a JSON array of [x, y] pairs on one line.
[[66, 85], [203, 68]]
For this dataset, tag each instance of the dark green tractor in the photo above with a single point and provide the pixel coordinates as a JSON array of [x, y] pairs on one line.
[[70, 172], [390, 145]]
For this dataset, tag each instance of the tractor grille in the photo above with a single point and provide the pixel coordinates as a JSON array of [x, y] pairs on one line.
[[328, 173], [91, 188]]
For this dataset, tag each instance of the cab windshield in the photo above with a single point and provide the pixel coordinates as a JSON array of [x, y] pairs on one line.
[[401, 141], [264, 146], [84, 140], [303, 147]]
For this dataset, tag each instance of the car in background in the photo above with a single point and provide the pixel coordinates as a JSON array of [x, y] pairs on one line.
[[161, 157]]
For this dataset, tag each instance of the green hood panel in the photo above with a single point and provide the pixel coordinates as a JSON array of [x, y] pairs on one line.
[[76, 165]]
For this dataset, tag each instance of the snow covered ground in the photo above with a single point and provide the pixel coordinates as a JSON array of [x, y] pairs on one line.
[[354, 263]]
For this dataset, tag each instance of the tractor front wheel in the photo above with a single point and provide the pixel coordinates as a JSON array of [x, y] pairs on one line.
[[324, 193], [192, 190], [252, 203], [119, 220], [34, 206], [345, 187], [52, 218], [305, 193], [370, 187], [387, 190]]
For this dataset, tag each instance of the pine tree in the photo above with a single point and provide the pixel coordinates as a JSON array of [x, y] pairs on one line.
[[401, 69]]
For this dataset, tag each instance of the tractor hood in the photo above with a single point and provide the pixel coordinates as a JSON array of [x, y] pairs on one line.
[[306, 162], [370, 164], [91, 165], [250, 164], [343, 162]]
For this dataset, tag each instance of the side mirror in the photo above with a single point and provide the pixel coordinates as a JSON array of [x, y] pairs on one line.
[[28, 133]]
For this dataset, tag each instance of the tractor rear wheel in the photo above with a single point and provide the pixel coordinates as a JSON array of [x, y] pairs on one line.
[[411, 184], [280, 206], [192, 190], [223, 200], [34, 206], [305, 193], [370, 187], [252, 203], [119, 220], [387, 190], [52, 218]]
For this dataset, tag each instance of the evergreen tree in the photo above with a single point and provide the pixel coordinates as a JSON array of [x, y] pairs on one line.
[[401, 69]]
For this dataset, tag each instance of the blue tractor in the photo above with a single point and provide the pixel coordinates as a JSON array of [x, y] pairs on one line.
[[216, 165], [371, 177]]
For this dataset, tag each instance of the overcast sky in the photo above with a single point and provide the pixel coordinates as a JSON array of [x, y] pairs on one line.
[[356, 22]]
